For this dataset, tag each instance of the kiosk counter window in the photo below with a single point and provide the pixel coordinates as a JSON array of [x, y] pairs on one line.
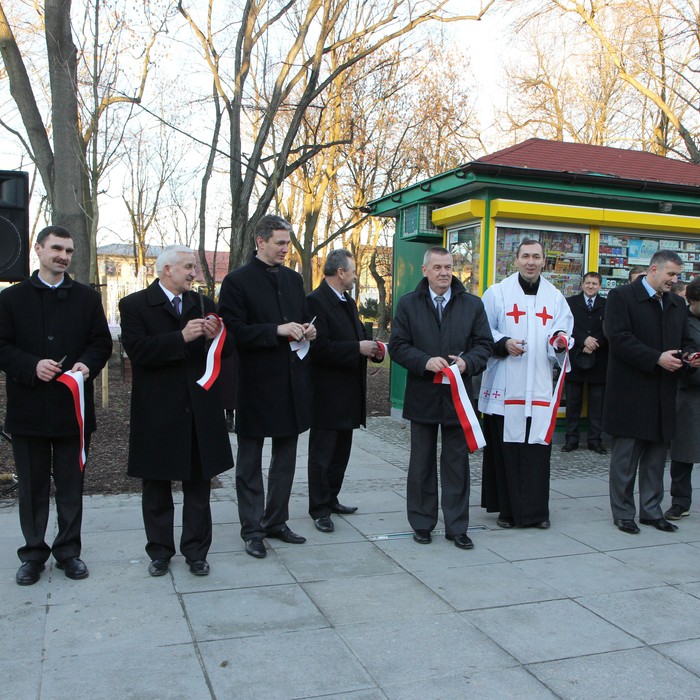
[[564, 252], [618, 253], [464, 244]]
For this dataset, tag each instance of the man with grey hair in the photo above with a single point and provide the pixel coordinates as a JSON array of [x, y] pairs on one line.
[[264, 307], [646, 328], [178, 430], [437, 325], [338, 385]]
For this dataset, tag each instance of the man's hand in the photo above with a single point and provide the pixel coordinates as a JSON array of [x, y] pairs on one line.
[[195, 328], [46, 370], [80, 367], [694, 359], [368, 348], [590, 345], [461, 364], [309, 331], [435, 364], [515, 348], [211, 327], [292, 330], [670, 360], [560, 342]]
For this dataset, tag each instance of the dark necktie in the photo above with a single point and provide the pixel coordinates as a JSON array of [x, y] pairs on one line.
[[660, 298], [438, 305], [176, 304], [590, 304]]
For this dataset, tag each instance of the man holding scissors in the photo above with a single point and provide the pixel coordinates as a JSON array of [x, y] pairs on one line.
[[264, 307], [49, 323]]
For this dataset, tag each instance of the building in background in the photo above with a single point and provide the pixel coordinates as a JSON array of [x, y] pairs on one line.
[[592, 207]]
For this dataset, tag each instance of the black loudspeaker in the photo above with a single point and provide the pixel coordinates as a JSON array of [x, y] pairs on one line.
[[14, 226]]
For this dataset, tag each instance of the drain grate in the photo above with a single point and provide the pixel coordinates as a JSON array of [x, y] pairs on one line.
[[404, 535]]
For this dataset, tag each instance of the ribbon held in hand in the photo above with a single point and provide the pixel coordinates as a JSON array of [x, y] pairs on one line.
[[76, 384], [213, 367], [463, 405]]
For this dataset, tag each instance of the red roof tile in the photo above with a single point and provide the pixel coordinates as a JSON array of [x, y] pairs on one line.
[[584, 159]]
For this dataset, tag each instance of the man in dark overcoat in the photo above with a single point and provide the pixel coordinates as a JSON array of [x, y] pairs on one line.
[[49, 323], [178, 429], [438, 324], [338, 385], [264, 307], [646, 327], [589, 364]]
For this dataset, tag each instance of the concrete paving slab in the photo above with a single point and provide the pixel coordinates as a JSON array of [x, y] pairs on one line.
[[22, 628], [439, 555], [486, 586], [276, 666], [110, 519], [504, 684], [22, 678], [230, 572], [673, 563], [372, 501], [105, 545], [382, 523], [156, 673], [370, 598], [685, 654], [251, 611], [639, 613], [637, 674], [584, 574], [343, 560], [550, 630], [580, 487], [424, 647], [602, 535], [530, 543]]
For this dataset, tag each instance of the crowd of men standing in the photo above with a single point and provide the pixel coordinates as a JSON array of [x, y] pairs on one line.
[[301, 364]]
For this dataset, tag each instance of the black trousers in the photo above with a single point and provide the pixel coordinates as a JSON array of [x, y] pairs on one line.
[[681, 483], [37, 458], [159, 513], [329, 452], [422, 482], [574, 403], [259, 516]]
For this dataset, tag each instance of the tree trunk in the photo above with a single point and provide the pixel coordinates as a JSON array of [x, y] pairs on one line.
[[69, 161]]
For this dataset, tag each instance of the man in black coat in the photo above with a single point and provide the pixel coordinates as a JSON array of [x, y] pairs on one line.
[[438, 324], [264, 307], [47, 323], [589, 364], [178, 429], [338, 385], [646, 327]]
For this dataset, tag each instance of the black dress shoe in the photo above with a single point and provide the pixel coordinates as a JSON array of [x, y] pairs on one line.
[[461, 541], [422, 536], [324, 524], [628, 526], [158, 567], [569, 447], [660, 524], [199, 567], [286, 535], [340, 509], [506, 523], [256, 547], [73, 568], [543, 525], [28, 573], [597, 447]]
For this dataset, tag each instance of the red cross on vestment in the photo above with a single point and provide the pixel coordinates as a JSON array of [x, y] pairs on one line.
[[516, 313], [544, 316]]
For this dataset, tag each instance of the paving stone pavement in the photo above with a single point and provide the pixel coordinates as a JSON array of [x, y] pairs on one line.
[[578, 611]]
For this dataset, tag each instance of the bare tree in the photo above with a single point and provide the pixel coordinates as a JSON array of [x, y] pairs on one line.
[[280, 63]]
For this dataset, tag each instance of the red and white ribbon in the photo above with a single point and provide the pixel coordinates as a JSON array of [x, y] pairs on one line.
[[211, 371], [75, 382], [383, 347], [463, 406], [558, 391]]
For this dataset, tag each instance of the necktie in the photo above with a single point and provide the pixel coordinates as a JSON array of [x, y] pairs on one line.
[[438, 305], [590, 304], [176, 304], [660, 298]]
